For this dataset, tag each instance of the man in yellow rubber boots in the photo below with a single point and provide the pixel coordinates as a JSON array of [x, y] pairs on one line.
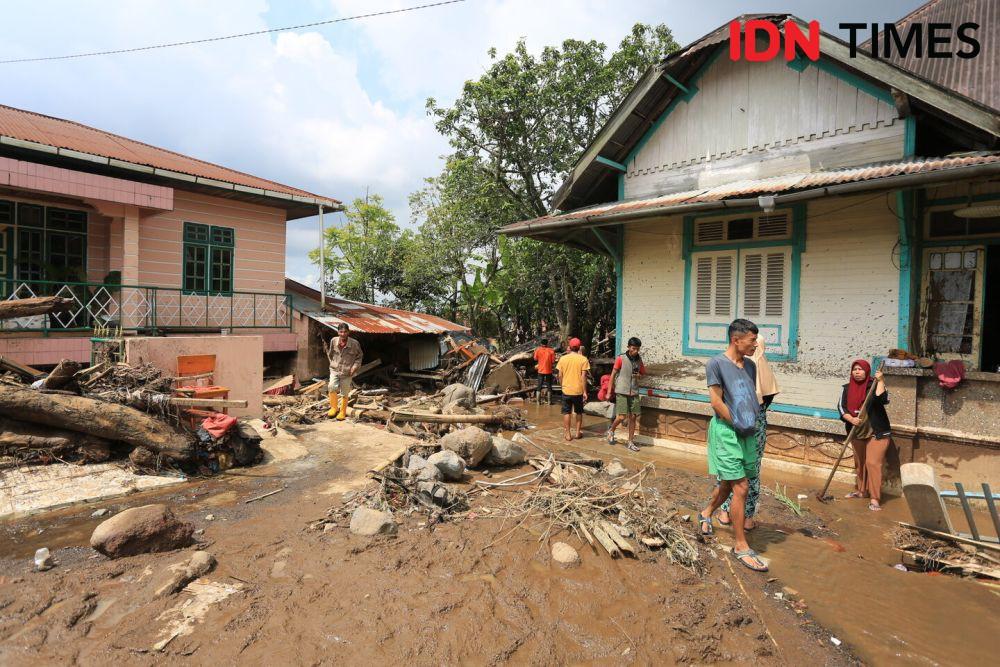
[[345, 356]]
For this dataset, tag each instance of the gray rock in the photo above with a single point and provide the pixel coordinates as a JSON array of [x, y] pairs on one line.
[[471, 443], [180, 574], [458, 392], [565, 555], [615, 469], [416, 462], [368, 521], [432, 492], [146, 529], [455, 408], [429, 473], [451, 465], [43, 560], [209, 517], [505, 453], [604, 409], [97, 514]]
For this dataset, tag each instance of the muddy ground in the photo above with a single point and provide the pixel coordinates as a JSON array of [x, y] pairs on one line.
[[284, 593]]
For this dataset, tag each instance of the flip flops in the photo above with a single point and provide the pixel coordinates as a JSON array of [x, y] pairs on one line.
[[874, 508], [724, 523], [632, 447], [703, 520], [740, 555], [610, 436], [854, 494]]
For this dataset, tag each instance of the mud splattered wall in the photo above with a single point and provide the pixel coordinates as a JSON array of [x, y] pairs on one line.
[[848, 304]]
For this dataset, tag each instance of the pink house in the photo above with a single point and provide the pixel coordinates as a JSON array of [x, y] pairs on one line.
[[142, 238]]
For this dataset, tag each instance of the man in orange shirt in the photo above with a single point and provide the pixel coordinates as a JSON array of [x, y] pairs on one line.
[[545, 356], [572, 369]]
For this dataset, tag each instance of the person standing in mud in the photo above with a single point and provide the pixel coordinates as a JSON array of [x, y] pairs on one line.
[[732, 444], [545, 357], [572, 373], [624, 384], [767, 389], [345, 357], [872, 439]]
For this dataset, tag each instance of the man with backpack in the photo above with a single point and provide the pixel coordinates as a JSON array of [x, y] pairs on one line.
[[624, 384]]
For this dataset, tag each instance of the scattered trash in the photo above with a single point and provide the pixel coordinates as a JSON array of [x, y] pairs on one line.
[[43, 560], [97, 514], [835, 641]]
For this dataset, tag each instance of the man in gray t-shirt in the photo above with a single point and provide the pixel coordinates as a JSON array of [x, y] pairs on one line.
[[739, 390], [732, 438]]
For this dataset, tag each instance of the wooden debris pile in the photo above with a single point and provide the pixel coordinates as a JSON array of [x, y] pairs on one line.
[[930, 553], [618, 515], [113, 410]]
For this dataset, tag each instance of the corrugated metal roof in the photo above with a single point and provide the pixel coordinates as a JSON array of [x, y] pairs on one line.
[[774, 185], [65, 134], [365, 317], [976, 78]]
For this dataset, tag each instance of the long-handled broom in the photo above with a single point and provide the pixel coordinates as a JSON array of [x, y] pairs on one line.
[[821, 495]]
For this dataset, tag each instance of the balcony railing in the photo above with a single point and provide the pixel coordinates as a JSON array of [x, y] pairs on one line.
[[146, 308]]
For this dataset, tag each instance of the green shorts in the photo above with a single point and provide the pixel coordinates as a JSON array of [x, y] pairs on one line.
[[627, 405], [730, 456]]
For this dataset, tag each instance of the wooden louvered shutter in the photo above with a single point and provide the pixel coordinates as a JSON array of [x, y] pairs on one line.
[[765, 288], [713, 298]]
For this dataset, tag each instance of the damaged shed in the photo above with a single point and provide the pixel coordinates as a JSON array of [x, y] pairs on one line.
[[401, 340]]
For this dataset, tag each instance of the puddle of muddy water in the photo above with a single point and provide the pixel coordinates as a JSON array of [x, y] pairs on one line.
[[887, 616]]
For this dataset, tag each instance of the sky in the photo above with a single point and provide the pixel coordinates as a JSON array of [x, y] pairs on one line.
[[337, 110]]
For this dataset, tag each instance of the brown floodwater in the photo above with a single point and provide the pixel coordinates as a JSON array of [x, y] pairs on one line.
[[848, 581]]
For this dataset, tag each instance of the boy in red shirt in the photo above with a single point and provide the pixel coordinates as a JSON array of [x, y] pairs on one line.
[[545, 356]]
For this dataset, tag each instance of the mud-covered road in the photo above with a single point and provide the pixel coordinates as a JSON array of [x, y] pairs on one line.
[[282, 593]]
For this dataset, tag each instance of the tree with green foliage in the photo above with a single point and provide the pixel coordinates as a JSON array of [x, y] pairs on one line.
[[365, 257], [516, 132]]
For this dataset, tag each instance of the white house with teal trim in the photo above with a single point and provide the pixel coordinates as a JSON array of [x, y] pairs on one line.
[[816, 198]]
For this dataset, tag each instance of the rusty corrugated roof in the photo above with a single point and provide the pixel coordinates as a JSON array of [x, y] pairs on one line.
[[365, 317], [24, 125], [773, 185], [976, 78]]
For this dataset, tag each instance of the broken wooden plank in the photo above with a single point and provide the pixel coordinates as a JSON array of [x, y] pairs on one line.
[[207, 402], [613, 533], [281, 386], [954, 538], [605, 540], [367, 368], [27, 372]]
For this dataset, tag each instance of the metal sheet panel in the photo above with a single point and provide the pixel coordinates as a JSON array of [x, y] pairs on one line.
[[424, 353]]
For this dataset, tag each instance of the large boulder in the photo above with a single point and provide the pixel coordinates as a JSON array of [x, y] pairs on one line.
[[505, 453], [367, 521], [146, 529], [471, 443], [451, 465], [459, 393]]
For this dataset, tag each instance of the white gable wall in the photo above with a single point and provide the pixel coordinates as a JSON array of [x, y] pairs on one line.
[[753, 120]]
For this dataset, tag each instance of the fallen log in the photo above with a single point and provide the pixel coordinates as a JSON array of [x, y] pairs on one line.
[[446, 419], [24, 435], [40, 305], [272, 401], [110, 421]]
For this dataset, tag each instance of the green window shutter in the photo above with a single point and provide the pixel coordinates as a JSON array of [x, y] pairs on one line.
[[222, 270], [195, 268]]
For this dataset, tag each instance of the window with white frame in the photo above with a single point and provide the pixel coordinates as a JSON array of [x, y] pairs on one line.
[[748, 276]]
